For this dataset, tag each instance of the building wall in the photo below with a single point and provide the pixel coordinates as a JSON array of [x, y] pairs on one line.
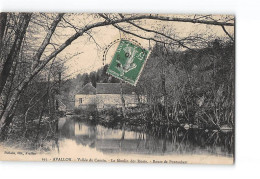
[[114, 100], [86, 99], [107, 100]]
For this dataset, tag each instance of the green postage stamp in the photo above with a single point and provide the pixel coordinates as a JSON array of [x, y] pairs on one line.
[[128, 62]]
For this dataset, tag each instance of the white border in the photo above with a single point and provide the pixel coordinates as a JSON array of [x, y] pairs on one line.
[[247, 160]]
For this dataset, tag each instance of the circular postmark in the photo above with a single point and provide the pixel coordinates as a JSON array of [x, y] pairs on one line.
[[111, 44], [128, 60]]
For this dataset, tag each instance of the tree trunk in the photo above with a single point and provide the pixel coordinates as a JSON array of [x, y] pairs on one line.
[[9, 118], [22, 26], [36, 70], [5, 97], [124, 113], [3, 18]]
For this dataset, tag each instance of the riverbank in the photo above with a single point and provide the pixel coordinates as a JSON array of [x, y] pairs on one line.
[[110, 133]]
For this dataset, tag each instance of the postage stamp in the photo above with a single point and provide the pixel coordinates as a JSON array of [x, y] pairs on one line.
[[128, 62]]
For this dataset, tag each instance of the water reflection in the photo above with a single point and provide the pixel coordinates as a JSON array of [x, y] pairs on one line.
[[151, 140]]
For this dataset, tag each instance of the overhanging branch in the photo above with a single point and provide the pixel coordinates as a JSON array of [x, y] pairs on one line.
[[175, 19], [224, 29], [156, 32]]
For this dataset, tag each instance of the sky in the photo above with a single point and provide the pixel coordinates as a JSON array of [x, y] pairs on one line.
[[89, 54]]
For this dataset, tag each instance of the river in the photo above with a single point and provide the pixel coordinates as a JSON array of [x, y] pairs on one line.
[[78, 135]]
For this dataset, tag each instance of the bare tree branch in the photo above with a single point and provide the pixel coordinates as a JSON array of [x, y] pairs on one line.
[[128, 32], [91, 36], [46, 40], [164, 18], [223, 27], [21, 30], [71, 25], [156, 32]]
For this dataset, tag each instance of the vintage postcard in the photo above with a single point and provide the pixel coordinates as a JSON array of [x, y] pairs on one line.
[[112, 87]]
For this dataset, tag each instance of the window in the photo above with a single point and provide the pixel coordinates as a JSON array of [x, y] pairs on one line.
[[80, 100]]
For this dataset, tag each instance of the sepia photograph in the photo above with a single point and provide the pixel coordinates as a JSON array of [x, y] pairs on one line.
[[117, 87]]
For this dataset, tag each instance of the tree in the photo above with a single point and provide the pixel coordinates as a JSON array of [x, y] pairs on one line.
[[20, 32], [3, 19], [86, 79], [40, 59], [92, 77], [5, 118]]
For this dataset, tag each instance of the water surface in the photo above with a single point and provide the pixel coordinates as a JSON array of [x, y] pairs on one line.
[[152, 141]]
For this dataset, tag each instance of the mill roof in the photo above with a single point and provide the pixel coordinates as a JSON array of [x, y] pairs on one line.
[[114, 88], [87, 89]]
